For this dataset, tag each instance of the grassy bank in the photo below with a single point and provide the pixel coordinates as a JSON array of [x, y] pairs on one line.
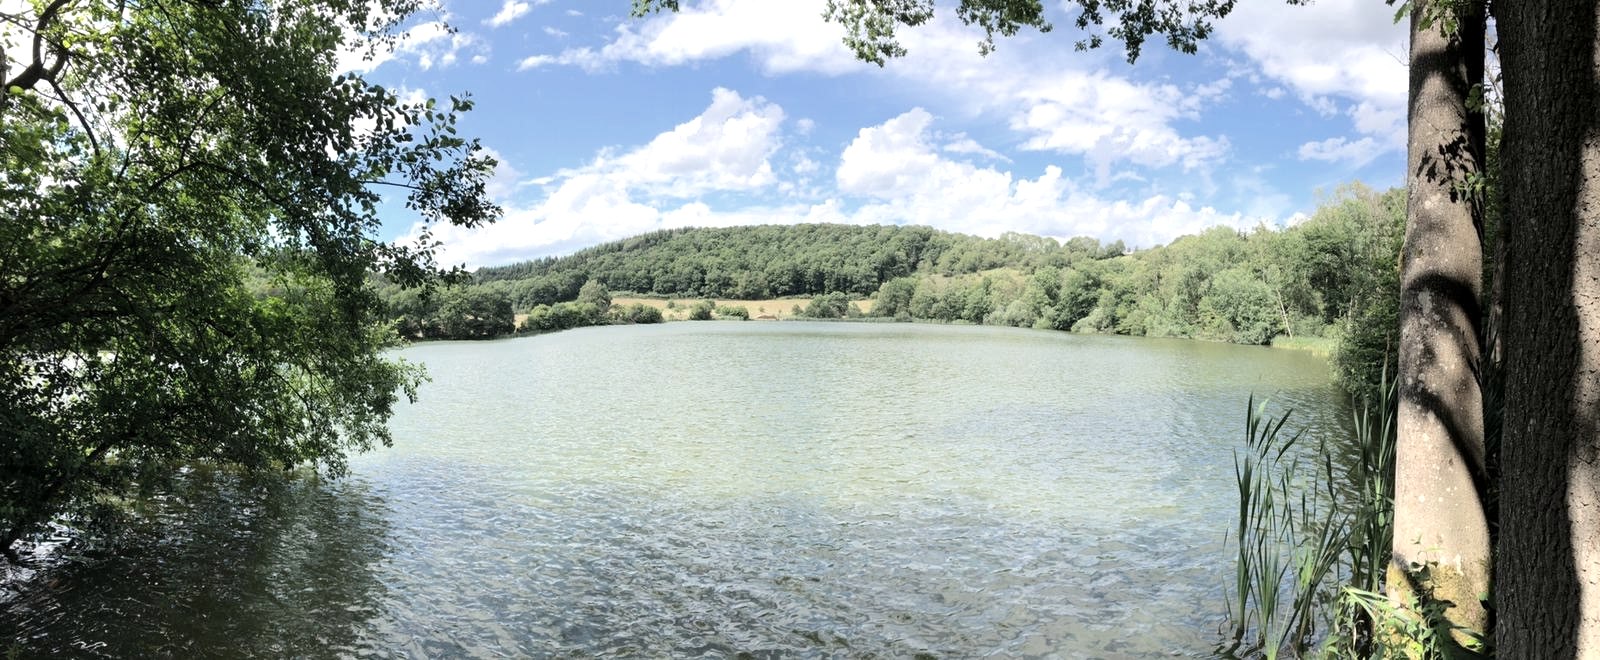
[[776, 309], [1319, 346]]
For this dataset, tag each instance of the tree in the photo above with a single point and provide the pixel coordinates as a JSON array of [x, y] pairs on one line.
[[1441, 476], [894, 297], [637, 313], [1239, 307], [595, 293], [475, 313], [1547, 571], [186, 220], [831, 306]]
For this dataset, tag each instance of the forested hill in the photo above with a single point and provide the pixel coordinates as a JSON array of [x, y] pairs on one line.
[[1331, 279], [771, 261]]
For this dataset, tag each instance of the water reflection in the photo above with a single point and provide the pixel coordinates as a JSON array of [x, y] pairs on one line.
[[718, 490], [228, 567]]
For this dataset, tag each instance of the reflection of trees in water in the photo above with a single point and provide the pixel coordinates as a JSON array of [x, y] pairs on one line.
[[233, 566]]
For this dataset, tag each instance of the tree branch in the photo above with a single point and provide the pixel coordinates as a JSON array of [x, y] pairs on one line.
[[30, 76]]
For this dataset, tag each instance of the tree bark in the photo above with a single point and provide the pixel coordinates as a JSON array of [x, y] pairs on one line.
[[1440, 522], [1547, 572]]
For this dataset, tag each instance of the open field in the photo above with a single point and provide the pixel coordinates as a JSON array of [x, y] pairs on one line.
[[777, 308]]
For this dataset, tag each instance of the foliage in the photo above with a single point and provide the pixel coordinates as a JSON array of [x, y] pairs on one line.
[[186, 214], [563, 316], [452, 313], [831, 306], [772, 261], [893, 298], [733, 312], [595, 293], [701, 311], [637, 313], [1313, 545], [1332, 277], [870, 25]]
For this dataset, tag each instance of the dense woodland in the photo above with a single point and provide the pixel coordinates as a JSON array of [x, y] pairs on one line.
[[1330, 278]]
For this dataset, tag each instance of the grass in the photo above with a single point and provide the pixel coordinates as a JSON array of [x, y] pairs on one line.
[[780, 309], [1312, 543], [1319, 346]]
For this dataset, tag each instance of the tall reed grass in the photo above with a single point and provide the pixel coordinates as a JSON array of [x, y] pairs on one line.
[[1312, 543]]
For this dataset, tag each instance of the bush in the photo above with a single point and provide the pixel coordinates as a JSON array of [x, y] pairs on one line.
[[831, 306], [701, 311], [638, 313], [733, 312]]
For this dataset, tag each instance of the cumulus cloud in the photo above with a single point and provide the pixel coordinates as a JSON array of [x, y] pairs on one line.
[[1339, 149], [897, 167], [510, 11], [782, 36], [702, 172], [1348, 57], [726, 149], [1059, 105], [961, 144]]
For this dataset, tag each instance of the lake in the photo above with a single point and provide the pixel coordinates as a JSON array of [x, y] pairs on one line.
[[725, 489]]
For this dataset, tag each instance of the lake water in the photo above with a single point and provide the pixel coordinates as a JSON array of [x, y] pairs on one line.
[[726, 489]]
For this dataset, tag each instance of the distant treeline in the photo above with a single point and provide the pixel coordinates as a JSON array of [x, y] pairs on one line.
[[1331, 279], [775, 261]]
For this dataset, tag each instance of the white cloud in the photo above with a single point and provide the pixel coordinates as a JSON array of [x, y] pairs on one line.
[[697, 173], [1060, 105], [1107, 120], [726, 149], [428, 44], [535, 61], [897, 167], [506, 178], [783, 36], [1342, 150], [1344, 56], [510, 11], [554, 32], [961, 144]]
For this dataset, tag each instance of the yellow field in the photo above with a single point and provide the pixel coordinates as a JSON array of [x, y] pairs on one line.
[[776, 309]]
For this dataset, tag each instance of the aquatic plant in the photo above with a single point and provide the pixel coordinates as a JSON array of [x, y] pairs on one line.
[[1312, 543]]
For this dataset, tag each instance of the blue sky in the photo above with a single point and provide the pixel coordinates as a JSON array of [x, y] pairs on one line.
[[752, 111]]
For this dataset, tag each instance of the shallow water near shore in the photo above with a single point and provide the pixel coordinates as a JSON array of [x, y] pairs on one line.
[[726, 489]]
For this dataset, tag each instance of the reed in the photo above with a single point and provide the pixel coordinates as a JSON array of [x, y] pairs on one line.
[[1313, 537]]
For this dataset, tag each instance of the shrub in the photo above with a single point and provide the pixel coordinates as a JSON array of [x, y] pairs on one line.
[[701, 311], [831, 306], [638, 313]]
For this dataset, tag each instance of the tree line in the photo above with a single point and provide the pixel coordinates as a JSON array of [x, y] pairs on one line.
[[1330, 278], [775, 261]]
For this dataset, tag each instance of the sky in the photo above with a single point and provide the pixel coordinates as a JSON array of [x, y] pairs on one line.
[[736, 112]]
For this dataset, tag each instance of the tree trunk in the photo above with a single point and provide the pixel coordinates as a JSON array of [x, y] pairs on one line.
[[1547, 577], [1439, 520]]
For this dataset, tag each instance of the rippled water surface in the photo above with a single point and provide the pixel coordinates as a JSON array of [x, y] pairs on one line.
[[721, 489]]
